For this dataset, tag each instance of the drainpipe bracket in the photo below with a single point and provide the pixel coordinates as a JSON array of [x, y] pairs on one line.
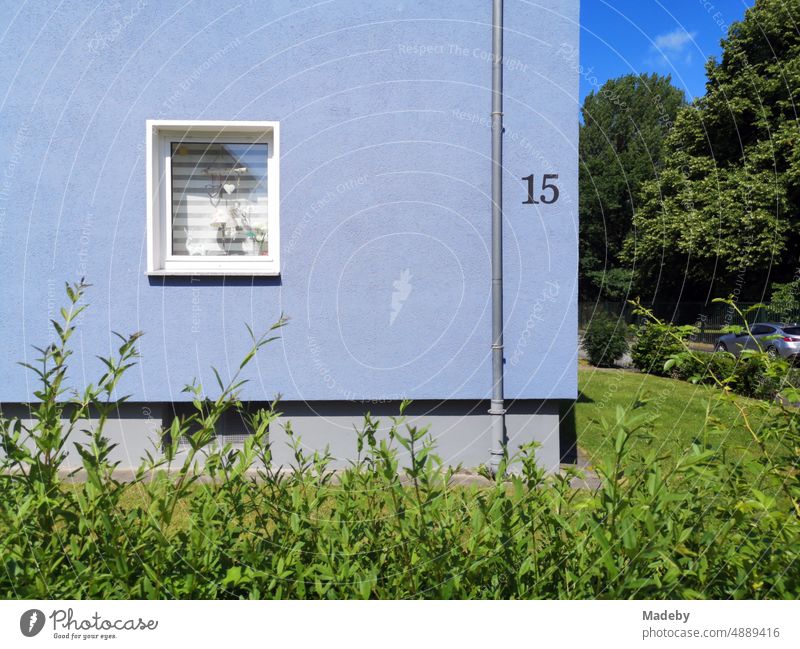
[[497, 407]]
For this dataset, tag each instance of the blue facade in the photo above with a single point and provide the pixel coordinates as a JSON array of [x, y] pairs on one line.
[[384, 206]]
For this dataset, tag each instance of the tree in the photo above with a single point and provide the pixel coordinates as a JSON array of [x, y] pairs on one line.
[[622, 138], [784, 302], [721, 215]]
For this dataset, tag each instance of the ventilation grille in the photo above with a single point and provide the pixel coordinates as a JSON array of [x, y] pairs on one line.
[[231, 429]]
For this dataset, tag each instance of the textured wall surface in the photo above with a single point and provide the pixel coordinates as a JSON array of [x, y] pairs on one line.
[[384, 110]]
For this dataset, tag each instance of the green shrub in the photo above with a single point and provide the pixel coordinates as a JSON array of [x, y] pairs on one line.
[[605, 341], [691, 367], [704, 367], [235, 526], [656, 343], [754, 375], [758, 376], [720, 365], [751, 381]]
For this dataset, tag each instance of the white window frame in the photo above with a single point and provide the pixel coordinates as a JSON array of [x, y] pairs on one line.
[[160, 133]]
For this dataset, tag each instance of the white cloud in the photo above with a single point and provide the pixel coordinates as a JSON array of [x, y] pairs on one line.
[[674, 41], [672, 47]]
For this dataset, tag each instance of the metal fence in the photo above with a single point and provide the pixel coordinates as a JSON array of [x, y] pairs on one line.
[[709, 317]]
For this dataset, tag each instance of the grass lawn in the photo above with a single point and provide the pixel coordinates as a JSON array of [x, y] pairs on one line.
[[679, 412]]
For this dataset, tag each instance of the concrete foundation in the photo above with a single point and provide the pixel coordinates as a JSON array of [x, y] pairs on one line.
[[460, 428]]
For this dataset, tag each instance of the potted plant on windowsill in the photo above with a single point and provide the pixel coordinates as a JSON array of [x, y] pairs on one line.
[[258, 235]]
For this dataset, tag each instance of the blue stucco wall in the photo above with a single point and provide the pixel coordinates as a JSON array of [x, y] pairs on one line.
[[384, 111]]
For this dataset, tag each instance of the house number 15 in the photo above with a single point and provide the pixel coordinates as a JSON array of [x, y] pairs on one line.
[[547, 185]]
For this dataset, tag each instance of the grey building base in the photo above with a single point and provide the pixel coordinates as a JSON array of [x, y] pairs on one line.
[[461, 429]]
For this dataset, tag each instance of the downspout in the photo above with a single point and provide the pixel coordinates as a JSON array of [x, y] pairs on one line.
[[497, 410]]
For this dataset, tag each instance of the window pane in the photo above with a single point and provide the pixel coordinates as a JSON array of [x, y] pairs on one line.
[[219, 199]]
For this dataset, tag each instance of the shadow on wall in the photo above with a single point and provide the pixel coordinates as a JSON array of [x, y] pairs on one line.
[[568, 431], [200, 281]]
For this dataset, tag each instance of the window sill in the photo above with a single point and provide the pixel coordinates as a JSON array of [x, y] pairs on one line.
[[214, 273]]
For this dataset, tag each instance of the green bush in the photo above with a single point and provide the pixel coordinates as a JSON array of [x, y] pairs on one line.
[[758, 376], [604, 340], [750, 378], [656, 343], [226, 523], [703, 367], [754, 375]]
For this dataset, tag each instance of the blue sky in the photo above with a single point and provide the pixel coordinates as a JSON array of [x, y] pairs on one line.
[[668, 37]]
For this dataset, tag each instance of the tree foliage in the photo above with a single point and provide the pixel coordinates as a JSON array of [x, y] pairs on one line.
[[621, 146], [784, 303], [722, 208]]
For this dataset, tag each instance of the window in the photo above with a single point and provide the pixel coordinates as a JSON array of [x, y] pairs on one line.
[[761, 330], [212, 198]]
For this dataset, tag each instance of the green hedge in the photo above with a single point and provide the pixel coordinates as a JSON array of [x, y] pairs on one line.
[[662, 349], [391, 525], [702, 367], [755, 375]]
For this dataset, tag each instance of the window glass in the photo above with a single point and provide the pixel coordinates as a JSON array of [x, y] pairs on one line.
[[760, 330], [219, 199]]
